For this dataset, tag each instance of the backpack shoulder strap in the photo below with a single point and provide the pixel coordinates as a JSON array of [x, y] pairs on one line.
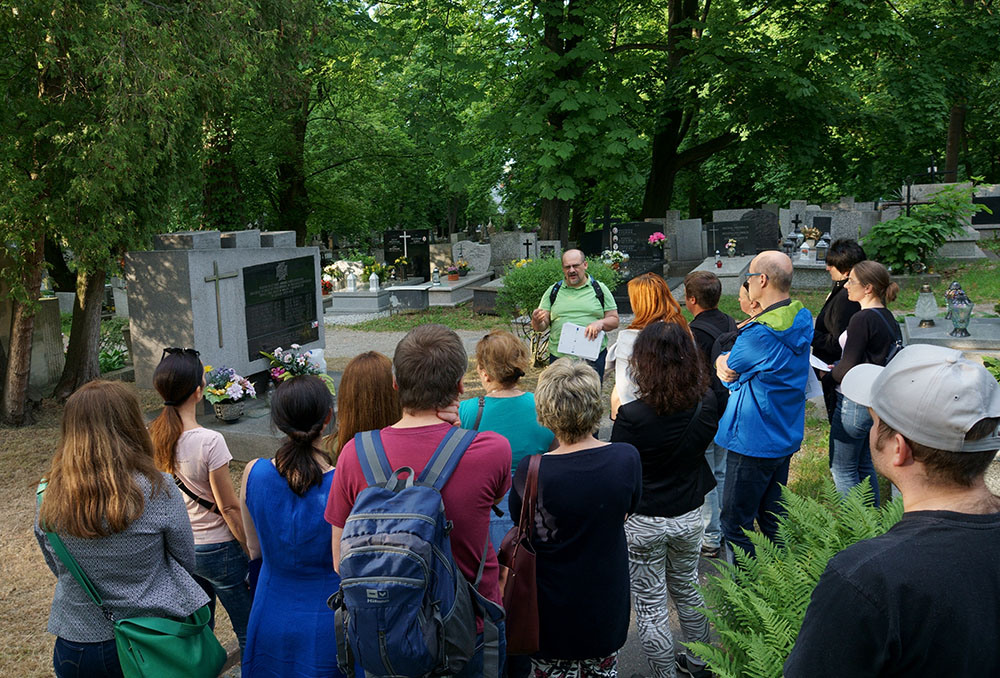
[[204, 503], [598, 291], [446, 457], [554, 292], [479, 412], [371, 456]]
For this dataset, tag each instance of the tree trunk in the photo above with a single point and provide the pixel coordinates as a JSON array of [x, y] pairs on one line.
[[222, 201], [85, 336], [554, 220], [22, 331], [293, 197], [578, 224], [64, 278], [956, 124]]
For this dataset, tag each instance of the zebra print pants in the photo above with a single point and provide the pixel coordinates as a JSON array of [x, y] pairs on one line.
[[663, 556]]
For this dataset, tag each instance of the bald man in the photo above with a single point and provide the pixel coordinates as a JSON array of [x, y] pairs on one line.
[[578, 299], [764, 421]]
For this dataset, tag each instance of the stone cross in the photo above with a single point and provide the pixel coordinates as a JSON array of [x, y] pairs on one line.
[[796, 221], [527, 248], [714, 230], [215, 278], [404, 238]]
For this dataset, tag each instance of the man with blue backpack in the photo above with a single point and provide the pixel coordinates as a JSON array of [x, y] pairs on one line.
[[410, 509]]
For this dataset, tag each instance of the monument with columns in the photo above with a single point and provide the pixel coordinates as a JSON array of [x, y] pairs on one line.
[[227, 295]]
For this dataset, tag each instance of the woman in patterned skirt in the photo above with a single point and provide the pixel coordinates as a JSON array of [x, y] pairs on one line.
[[670, 424]]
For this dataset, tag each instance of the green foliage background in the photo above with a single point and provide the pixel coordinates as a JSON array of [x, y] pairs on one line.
[[523, 287]]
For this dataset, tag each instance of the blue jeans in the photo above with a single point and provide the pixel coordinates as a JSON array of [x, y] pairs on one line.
[[221, 569], [500, 525], [711, 510], [753, 488], [598, 364], [86, 660], [850, 450]]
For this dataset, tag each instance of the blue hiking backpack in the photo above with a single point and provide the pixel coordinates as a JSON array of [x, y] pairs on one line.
[[404, 608]]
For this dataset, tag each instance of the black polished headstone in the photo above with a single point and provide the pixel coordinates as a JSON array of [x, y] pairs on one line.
[[983, 218], [592, 243], [632, 238], [280, 304], [756, 231], [417, 250]]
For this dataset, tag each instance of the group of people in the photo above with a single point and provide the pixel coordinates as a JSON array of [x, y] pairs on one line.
[[706, 416]]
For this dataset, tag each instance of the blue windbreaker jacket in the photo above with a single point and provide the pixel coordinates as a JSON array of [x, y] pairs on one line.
[[765, 415]]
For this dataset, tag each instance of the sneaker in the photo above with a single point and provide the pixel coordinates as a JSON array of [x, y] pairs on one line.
[[681, 662], [710, 551]]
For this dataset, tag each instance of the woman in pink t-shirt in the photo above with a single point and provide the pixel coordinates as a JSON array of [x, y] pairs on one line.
[[198, 459]]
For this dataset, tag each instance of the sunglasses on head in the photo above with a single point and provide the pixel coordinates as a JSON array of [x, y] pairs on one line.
[[171, 350]]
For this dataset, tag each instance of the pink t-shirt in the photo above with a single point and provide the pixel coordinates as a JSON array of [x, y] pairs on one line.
[[199, 452], [481, 478]]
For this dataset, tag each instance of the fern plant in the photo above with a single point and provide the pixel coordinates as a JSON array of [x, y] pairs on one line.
[[757, 605]]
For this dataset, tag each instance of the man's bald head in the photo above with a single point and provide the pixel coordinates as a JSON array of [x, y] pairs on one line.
[[777, 267], [574, 265]]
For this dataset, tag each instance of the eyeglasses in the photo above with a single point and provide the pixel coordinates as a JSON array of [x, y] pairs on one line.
[[750, 275], [171, 350], [849, 281]]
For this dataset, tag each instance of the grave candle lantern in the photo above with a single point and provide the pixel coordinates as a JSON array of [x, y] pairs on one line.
[[960, 307], [926, 308]]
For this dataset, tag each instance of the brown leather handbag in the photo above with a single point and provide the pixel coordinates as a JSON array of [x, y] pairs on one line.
[[520, 595]]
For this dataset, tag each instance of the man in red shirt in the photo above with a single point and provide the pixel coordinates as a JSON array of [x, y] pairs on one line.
[[428, 367]]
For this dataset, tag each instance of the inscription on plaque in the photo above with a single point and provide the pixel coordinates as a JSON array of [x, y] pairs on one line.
[[633, 239], [414, 244], [280, 304]]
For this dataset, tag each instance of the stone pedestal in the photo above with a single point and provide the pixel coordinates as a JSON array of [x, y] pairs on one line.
[[455, 292], [984, 334], [809, 274], [731, 275], [359, 301]]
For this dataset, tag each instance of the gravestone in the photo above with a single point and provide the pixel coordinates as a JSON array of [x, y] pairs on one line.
[[984, 218], [414, 244], [477, 254], [756, 231], [228, 304], [549, 248], [592, 243], [632, 238], [729, 215], [440, 256], [510, 246], [688, 244]]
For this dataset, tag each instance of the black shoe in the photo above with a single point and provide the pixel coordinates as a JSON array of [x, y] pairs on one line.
[[681, 662]]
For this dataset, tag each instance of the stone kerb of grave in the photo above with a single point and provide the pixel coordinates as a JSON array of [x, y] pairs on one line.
[[731, 274], [227, 302]]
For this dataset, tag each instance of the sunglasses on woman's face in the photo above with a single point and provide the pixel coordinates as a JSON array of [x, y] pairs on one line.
[[171, 350]]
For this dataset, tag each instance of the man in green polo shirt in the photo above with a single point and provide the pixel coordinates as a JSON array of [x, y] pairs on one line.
[[576, 302]]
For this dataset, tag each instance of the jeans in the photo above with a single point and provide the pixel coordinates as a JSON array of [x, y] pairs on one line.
[[500, 525], [752, 491], [711, 510], [86, 660], [663, 556], [221, 569], [850, 450], [597, 364]]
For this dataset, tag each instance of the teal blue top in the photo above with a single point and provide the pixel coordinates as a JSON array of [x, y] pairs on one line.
[[513, 418]]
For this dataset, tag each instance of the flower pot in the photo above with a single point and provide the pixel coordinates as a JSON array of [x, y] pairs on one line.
[[228, 411], [462, 274], [453, 276], [731, 252]]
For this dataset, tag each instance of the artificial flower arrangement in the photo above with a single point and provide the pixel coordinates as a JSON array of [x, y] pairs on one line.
[[327, 284], [614, 258], [225, 386], [451, 269], [731, 244], [463, 265], [657, 239], [293, 362], [811, 233]]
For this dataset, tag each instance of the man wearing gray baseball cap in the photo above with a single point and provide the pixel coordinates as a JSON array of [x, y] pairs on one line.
[[923, 599]]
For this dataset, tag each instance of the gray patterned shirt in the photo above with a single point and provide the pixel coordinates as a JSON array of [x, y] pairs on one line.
[[143, 571]]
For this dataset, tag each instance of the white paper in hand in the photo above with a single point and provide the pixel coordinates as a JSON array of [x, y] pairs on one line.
[[573, 341], [820, 365]]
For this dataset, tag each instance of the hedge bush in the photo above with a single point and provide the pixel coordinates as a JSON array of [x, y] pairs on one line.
[[524, 285]]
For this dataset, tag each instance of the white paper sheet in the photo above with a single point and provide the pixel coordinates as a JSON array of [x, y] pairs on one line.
[[572, 341], [820, 365]]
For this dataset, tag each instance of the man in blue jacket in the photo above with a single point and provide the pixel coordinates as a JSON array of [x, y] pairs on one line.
[[764, 420]]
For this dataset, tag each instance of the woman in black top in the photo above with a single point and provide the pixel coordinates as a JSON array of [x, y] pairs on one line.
[[671, 425], [870, 337], [836, 312], [586, 488]]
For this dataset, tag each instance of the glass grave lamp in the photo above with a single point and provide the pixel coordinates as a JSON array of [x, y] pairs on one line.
[[926, 309], [960, 307], [822, 247]]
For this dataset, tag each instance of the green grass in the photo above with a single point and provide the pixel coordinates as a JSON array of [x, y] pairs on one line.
[[458, 318], [810, 467]]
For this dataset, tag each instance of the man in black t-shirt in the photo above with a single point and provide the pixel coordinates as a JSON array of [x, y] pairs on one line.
[[921, 599], [702, 291]]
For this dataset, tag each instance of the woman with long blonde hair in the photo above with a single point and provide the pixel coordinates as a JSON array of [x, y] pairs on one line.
[[198, 459], [122, 521], [651, 302]]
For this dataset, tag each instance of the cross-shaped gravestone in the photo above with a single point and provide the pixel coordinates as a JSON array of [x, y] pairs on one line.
[[406, 236], [215, 278], [607, 221], [796, 222], [527, 247], [461, 250]]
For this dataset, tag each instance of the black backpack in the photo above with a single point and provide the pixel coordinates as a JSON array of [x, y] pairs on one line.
[[597, 290]]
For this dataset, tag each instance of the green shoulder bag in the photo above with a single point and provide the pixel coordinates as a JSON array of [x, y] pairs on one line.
[[152, 647]]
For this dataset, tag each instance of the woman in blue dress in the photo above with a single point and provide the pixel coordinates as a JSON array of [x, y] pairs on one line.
[[291, 629]]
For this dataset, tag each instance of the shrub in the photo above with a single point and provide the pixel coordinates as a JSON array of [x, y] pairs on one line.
[[525, 282], [906, 244], [757, 608], [111, 359]]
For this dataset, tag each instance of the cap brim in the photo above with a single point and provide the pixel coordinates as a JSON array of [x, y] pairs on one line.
[[857, 383]]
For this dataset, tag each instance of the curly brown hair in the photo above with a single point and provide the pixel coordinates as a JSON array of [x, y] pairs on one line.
[[668, 368]]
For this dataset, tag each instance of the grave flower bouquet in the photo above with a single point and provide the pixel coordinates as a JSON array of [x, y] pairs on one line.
[[463, 265], [731, 244], [225, 386], [451, 269], [294, 362], [657, 239], [811, 233], [614, 258], [327, 284]]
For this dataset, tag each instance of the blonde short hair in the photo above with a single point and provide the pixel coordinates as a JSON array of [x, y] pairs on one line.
[[568, 400], [503, 357]]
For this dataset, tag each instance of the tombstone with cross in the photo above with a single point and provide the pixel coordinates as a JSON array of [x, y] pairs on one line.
[[414, 245], [228, 296]]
